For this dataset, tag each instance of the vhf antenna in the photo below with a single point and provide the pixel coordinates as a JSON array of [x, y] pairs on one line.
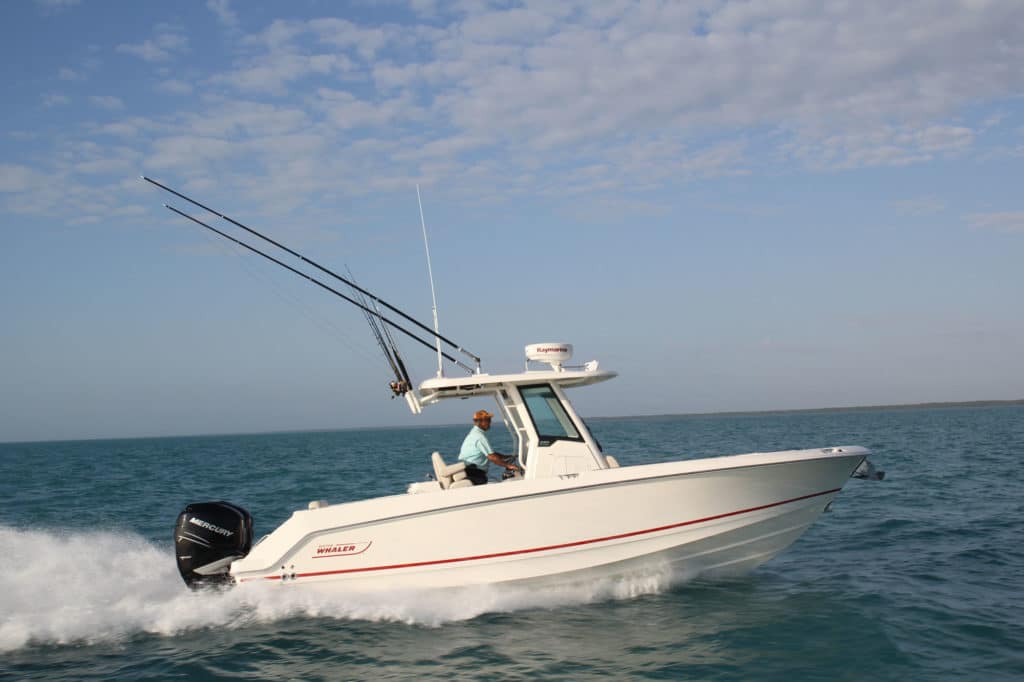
[[430, 273]]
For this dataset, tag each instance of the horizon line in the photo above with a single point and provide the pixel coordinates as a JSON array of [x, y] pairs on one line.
[[726, 413]]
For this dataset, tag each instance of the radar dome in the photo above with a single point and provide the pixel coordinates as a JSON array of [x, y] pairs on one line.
[[553, 354]]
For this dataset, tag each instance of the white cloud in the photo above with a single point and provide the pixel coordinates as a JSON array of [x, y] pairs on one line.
[[185, 152], [108, 102], [345, 34], [1006, 221], [166, 42], [54, 99], [60, 193], [833, 74], [147, 50], [66, 74], [578, 97], [424, 8], [277, 35], [851, 85], [54, 6], [993, 120], [920, 206], [517, 24], [272, 73], [847, 85], [129, 210], [132, 127], [244, 118], [882, 146], [345, 110], [101, 166], [175, 86], [223, 11], [119, 129], [17, 178], [942, 138]]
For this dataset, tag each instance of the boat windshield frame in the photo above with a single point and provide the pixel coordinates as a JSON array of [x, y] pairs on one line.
[[513, 423], [561, 415]]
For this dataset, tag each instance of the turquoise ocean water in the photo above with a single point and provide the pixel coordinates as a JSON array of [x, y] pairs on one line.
[[919, 577]]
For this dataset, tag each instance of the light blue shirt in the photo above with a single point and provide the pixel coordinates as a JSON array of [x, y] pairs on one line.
[[476, 448]]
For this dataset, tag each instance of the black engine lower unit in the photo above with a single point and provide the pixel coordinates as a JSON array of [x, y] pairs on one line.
[[207, 538]]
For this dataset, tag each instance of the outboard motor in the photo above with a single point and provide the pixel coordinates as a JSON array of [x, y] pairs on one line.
[[207, 538]]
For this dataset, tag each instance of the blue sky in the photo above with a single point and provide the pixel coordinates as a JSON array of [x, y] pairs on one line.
[[738, 206]]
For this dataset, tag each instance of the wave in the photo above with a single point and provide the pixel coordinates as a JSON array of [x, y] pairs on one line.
[[79, 587]]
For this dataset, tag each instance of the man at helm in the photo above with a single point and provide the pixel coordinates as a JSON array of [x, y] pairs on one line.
[[477, 453]]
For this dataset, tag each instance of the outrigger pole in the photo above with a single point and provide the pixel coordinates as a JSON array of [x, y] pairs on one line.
[[432, 332], [320, 284]]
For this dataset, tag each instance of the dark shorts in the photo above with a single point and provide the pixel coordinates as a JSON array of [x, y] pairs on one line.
[[477, 475]]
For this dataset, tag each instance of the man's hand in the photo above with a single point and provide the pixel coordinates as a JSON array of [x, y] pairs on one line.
[[504, 461]]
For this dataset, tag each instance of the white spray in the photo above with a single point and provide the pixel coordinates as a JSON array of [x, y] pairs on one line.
[[101, 587]]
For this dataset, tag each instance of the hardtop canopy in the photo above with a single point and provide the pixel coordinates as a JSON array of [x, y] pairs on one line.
[[439, 388]]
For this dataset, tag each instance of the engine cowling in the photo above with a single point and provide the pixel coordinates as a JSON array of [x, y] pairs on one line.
[[208, 537]]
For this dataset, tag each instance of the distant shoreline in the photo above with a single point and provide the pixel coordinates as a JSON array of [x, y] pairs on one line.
[[733, 413]]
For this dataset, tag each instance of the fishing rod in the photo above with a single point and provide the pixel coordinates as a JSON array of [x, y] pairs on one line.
[[402, 383], [320, 284], [433, 332], [400, 387], [378, 335]]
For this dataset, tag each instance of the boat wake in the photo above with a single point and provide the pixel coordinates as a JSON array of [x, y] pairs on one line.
[[99, 587]]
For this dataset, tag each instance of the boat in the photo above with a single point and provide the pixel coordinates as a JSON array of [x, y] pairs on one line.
[[571, 512]]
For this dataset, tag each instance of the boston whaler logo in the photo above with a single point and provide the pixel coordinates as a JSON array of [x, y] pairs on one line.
[[209, 526], [334, 549]]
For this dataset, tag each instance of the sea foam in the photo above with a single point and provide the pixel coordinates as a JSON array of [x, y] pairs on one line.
[[107, 586]]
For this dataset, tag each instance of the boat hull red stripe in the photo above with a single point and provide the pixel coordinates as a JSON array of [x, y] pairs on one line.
[[548, 548]]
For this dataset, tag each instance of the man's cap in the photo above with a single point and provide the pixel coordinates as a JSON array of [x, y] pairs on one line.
[[481, 414]]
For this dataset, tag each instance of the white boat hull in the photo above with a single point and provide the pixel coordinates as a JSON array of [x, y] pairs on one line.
[[723, 515]]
